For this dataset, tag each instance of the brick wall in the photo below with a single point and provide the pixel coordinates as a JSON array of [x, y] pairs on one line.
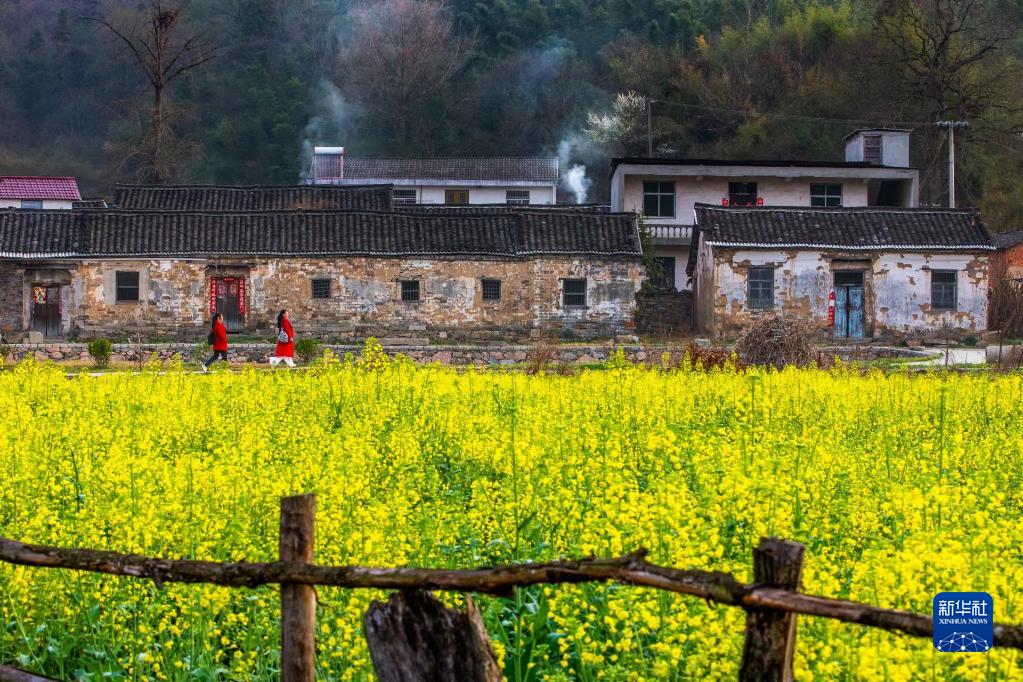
[[364, 297], [664, 312]]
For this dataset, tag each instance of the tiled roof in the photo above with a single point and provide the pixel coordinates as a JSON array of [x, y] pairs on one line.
[[541, 170], [113, 233], [227, 198], [482, 209], [1005, 240], [89, 203], [858, 229], [39, 234], [29, 187]]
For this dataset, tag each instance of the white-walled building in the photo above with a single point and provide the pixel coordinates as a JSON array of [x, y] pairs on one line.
[[23, 191], [452, 181], [875, 172], [893, 272]]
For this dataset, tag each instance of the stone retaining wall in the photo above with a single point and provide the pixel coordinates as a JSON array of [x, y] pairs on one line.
[[494, 354]]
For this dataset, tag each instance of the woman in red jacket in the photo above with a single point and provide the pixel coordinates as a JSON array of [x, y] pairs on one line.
[[218, 334], [285, 351]]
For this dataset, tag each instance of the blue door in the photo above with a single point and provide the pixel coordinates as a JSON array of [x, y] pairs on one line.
[[855, 313], [850, 319], [841, 306]]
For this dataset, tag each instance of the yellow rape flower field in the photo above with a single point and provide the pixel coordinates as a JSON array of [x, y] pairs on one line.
[[900, 485]]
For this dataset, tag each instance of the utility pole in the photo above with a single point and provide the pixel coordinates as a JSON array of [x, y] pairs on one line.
[[951, 127], [649, 127]]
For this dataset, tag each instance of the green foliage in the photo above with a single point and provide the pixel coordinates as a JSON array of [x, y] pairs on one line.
[[373, 356], [101, 350], [307, 349]]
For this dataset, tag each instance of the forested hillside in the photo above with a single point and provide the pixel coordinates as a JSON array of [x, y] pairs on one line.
[[266, 79]]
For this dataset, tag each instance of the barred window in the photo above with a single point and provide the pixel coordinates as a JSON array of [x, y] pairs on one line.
[[491, 289], [517, 196], [574, 293], [321, 288], [760, 282], [127, 286], [943, 290], [404, 196], [410, 290]]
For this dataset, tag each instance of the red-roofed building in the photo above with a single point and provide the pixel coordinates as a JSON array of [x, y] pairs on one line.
[[21, 191]]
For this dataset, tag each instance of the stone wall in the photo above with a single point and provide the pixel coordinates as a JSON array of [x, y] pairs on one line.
[[365, 297], [664, 312], [452, 354], [897, 290], [11, 305]]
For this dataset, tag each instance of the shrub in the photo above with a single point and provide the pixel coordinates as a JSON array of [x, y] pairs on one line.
[[777, 342], [970, 340], [307, 349], [200, 352], [692, 357], [101, 350]]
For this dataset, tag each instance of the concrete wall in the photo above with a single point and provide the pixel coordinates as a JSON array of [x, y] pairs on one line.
[[538, 194], [774, 191], [1009, 262], [897, 290], [365, 296], [47, 203]]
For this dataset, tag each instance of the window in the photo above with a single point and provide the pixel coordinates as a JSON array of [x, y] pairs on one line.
[[761, 288], [517, 196], [872, 151], [659, 199], [742, 194], [404, 196], [491, 289], [574, 293], [825, 195], [456, 197], [127, 286], [321, 288], [943, 289], [665, 279], [26, 203], [410, 290]]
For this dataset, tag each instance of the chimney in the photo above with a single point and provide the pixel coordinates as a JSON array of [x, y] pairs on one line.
[[328, 164]]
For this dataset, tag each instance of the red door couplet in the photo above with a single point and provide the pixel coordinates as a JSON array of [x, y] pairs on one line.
[[227, 296]]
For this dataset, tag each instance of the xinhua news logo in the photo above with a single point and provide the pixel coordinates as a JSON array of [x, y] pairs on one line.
[[963, 622]]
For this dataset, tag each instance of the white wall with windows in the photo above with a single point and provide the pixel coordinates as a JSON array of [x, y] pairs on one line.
[[455, 193], [60, 204]]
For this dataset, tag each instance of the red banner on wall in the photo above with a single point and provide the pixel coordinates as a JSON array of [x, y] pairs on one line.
[[213, 296], [241, 295]]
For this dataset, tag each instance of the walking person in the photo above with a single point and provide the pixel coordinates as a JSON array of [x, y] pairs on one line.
[[285, 351], [217, 339]]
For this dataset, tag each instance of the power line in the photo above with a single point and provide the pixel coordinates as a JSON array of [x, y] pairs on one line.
[[798, 117]]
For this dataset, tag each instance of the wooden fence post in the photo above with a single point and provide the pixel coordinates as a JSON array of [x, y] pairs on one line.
[[771, 635], [298, 602]]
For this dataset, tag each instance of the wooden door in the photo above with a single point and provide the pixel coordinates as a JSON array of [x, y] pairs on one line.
[[456, 196], [855, 315], [46, 310], [229, 299], [850, 320], [841, 307]]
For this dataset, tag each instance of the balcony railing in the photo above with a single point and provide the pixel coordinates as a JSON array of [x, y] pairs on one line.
[[672, 233]]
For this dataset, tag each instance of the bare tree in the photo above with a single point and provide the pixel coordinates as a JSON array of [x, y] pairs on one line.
[[165, 51], [398, 54], [949, 51]]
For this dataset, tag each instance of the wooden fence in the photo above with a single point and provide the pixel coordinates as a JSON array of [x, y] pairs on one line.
[[413, 637]]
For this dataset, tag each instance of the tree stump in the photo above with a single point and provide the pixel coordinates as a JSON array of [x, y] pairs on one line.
[[415, 638]]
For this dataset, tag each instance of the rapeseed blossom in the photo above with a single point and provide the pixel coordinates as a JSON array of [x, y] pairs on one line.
[[900, 485]]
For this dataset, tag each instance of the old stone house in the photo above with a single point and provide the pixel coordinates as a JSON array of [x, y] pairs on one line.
[[339, 273], [885, 272], [253, 198]]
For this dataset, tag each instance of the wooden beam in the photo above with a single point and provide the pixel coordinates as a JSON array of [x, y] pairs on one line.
[[771, 634]]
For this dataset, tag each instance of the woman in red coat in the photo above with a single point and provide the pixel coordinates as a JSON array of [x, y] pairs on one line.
[[218, 333], [285, 351]]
